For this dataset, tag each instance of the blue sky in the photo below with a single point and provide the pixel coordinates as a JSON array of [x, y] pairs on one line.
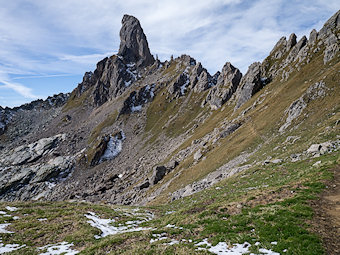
[[46, 46]]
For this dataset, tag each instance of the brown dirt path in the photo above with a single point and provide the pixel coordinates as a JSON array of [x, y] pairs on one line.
[[326, 221]]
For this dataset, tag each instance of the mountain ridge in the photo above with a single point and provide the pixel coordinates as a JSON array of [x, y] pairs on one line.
[[151, 157], [124, 84]]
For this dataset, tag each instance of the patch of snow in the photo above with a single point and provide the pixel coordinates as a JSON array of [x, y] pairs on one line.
[[5, 248], [50, 185], [169, 212], [222, 248], [274, 243], [11, 209], [59, 248], [317, 163], [2, 212], [105, 225], [42, 219], [3, 230], [158, 237], [172, 226], [114, 147], [184, 86], [172, 242], [16, 217], [136, 108], [127, 83]]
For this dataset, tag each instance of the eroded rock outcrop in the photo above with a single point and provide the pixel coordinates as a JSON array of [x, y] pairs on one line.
[[107, 148], [227, 83], [137, 99], [317, 90], [32, 152], [250, 83], [115, 74], [133, 43]]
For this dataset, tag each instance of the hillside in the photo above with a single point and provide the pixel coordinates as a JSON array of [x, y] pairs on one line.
[[215, 163]]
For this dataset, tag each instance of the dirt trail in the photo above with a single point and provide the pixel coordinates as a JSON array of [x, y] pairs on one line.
[[326, 221]]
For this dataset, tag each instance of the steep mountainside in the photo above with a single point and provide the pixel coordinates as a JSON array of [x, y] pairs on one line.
[[138, 131]]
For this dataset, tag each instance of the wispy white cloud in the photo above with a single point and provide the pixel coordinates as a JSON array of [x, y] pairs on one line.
[[86, 59], [41, 76], [45, 38]]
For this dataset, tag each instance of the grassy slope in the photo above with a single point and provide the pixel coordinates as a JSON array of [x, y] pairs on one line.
[[265, 203], [262, 123]]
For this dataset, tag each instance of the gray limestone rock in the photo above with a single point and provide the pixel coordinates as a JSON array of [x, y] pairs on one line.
[[133, 43], [160, 171], [227, 82], [317, 90], [330, 52], [250, 83], [3, 122], [330, 25], [313, 36], [198, 155], [137, 99], [291, 42], [179, 86], [158, 174], [280, 48], [32, 152], [17, 183], [293, 54], [204, 81]]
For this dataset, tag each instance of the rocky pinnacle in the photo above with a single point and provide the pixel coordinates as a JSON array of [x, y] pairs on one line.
[[133, 43]]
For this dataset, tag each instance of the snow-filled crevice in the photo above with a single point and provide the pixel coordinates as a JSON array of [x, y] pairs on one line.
[[114, 146]]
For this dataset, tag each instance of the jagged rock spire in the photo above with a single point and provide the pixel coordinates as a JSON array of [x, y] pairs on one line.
[[133, 43]]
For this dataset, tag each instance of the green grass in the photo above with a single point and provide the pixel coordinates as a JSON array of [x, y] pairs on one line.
[[76, 102]]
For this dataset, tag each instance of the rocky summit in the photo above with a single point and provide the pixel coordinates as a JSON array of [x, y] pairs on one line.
[[216, 163]]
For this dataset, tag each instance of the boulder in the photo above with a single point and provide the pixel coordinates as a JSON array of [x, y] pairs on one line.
[[198, 155], [160, 171], [158, 174]]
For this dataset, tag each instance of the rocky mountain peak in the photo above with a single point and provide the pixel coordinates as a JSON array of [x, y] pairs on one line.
[[330, 25], [291, 41], [133, 43]]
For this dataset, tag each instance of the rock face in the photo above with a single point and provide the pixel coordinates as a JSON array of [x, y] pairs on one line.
[[137, 99], [108, 147], [157, 105], [32, 152], [317, 90], [115, 74], [160, 171], [250, 83], [133, 44], [22, 178], [3, 121], [227, 83]]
